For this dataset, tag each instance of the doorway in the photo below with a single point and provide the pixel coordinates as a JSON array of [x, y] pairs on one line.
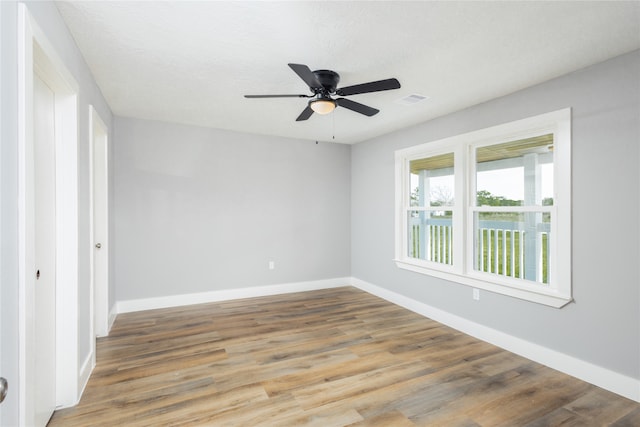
[[44, 211], [47, 227], [99, 224]]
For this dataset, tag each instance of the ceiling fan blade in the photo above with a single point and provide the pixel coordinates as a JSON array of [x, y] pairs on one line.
[[306, 113], [278, 96], [305, 74], [357, 107], [377, 86]]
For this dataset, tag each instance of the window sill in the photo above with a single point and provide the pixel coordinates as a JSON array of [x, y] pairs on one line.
[[547, 297]]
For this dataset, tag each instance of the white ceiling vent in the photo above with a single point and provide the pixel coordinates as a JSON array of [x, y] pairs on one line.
[[411, 99]]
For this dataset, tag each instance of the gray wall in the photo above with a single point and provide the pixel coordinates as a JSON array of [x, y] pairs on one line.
[[49, 20], [201, 210], [602, 326]]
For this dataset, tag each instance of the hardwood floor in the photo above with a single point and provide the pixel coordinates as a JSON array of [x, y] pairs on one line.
[[325, 358]]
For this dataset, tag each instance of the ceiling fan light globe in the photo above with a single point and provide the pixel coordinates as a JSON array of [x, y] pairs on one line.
[[322, 106]]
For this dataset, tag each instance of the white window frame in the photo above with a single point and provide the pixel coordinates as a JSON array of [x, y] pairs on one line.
[[557, 292]]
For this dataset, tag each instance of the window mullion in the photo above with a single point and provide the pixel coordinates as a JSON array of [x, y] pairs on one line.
[[469, 183], [460, 211]]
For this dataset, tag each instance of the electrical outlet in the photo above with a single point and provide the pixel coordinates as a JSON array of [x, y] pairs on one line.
[[272, 265], [476, 294]]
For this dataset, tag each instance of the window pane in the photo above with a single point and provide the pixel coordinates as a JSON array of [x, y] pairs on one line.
[[515, 173], [432, 181], [513, 244], [431, 236]]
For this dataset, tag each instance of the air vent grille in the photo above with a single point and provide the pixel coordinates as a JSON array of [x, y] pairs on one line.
[[411, 99]]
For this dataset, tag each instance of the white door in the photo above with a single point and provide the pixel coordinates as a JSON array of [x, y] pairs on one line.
[[100, 230], [45, 252]]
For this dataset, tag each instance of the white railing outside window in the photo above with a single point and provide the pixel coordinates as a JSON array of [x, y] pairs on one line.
[[500, 246]]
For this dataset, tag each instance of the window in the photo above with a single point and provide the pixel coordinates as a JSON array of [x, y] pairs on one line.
[[491, 209], [430, 225]]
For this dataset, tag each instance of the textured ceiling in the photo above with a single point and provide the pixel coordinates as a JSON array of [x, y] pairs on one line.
[[192, 62]]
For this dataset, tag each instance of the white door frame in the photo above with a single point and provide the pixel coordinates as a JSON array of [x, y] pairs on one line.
[[1, 306], [35, 52], [99, 226]]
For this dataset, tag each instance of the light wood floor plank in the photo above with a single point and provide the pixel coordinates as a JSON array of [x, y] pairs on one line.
[[335, 357]]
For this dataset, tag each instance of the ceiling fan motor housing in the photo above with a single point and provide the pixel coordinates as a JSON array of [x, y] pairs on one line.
[[328, 79]]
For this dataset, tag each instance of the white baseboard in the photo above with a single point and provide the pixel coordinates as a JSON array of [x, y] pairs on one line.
[[83, 376], [227, 294], [602, 377], [112, 317]]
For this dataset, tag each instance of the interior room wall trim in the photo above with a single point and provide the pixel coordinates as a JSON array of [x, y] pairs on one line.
[[112, 317], [602, 377], [228, 294], [83, 378]]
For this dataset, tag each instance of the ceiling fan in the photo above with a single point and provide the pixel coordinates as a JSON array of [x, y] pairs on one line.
[[324, 84]]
